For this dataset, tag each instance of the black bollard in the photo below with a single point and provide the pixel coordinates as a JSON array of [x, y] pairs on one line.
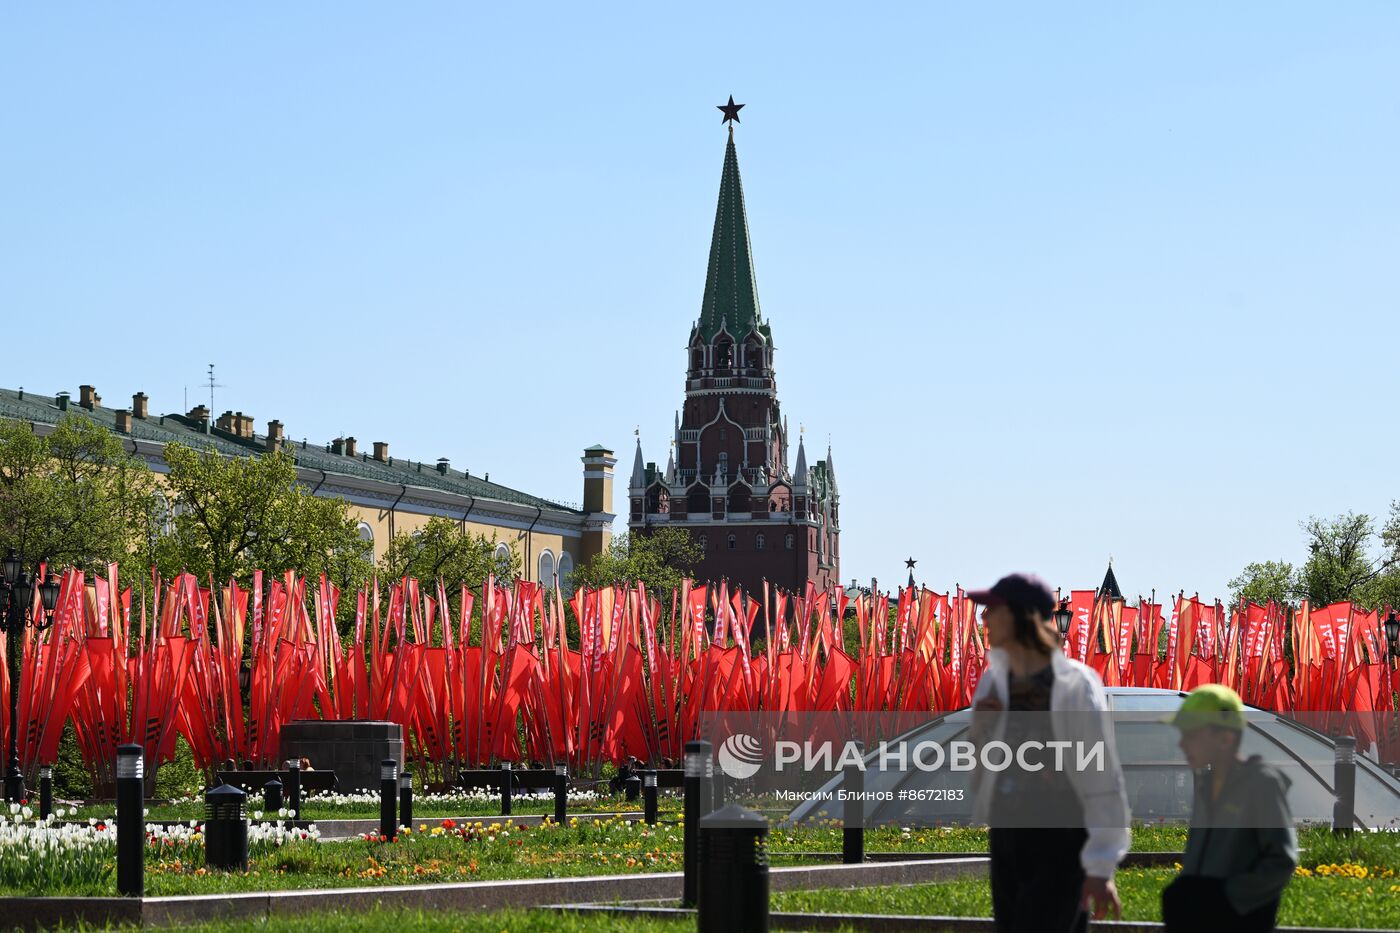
[[649, 796], [699, 766], [45, 791], [1344, 785], [406, 799], [632, 787], [853, 813], [272, 797], [717, 784], [226, 828], [506, 777], [131, 821], [733, 872], [292, 787], [388, 787], [561, 793]]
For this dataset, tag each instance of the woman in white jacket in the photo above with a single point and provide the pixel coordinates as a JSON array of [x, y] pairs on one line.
[[1058, 831]]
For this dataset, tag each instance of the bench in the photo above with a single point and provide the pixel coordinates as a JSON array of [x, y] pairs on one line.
[[252, 781], [543, 779]]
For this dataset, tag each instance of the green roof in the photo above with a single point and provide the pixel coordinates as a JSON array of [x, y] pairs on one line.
[[731, 294], [166, 428]]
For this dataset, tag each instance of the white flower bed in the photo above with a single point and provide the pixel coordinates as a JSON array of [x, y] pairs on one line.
[[46, 854], [362, 799]]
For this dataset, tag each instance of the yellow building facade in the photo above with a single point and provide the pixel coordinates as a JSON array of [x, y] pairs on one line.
[[387, 495]]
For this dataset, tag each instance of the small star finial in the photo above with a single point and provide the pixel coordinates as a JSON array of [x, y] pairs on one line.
[[730, 110], [910, 563]]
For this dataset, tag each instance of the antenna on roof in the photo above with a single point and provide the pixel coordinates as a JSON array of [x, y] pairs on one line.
[[212, 386]]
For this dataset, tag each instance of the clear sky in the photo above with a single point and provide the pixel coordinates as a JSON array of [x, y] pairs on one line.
[[1058, 280]]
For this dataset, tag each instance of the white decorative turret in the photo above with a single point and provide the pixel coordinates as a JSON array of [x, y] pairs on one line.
[[670, 477]]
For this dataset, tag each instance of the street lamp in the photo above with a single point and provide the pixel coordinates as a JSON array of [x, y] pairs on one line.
[[17, 611], [1063, 617], [1392, 633]]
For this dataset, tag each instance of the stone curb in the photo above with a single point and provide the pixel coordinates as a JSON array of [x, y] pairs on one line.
[[1131, 860], [29, 913], [888, 923]]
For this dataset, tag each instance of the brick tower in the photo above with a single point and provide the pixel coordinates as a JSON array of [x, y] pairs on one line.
[[727, 479]]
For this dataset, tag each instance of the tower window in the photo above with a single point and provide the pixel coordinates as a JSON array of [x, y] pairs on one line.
[[788, 541], [732, 542], [702, 541], [758, 542]]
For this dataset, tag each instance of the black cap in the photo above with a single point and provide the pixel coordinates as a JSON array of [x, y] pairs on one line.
[[1021, 591]]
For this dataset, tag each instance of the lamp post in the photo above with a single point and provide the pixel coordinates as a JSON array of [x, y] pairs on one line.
[[1062, 618], [1392, 633], [17, 611]]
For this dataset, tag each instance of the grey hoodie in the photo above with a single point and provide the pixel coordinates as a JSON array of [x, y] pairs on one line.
[[1246, 836]]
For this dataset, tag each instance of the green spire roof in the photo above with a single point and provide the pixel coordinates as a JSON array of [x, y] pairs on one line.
[[731, 295]]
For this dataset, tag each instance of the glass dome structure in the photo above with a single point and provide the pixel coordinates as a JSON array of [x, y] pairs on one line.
[[1159, 783]]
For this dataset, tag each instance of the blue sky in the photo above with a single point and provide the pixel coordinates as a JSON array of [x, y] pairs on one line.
[[1059, 281]]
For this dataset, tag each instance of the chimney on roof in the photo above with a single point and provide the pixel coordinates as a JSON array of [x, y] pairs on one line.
[[245, 426], [226, 423], [124, 421], [381, 451], [138, 406], [443, 465], [274, 436], [199, 413], [349, 447], [88, 397], [61, 400], [338, 446]]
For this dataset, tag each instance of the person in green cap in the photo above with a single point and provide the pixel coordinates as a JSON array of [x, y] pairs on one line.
[[1241, 848]]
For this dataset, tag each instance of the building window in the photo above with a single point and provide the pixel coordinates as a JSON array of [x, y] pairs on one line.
[[702, 541], [758, 541], [366, 533], [723, 464], [164, 514], [788, 541], [732, 542], [724, 434], [502, 556], [566, 570], [547, 568]]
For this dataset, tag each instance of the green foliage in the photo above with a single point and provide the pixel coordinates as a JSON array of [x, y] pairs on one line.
[[233, 515], [661, 560], [1342, 565], [71, 780], [75, 496], [179, 777], [1263, 581], [443, 548]]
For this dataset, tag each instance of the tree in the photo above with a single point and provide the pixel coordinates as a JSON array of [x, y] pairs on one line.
[[1340, 567], [1261, 582], [234, 515], [661, 560], [75, 497], [443, 548]]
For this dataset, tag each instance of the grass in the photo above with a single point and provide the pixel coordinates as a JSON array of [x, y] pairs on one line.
[[417, 921], [1343, 881]]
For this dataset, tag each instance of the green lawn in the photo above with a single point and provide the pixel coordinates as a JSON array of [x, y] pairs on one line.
[[409, 921], [1316, 901], [1346, 881]]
